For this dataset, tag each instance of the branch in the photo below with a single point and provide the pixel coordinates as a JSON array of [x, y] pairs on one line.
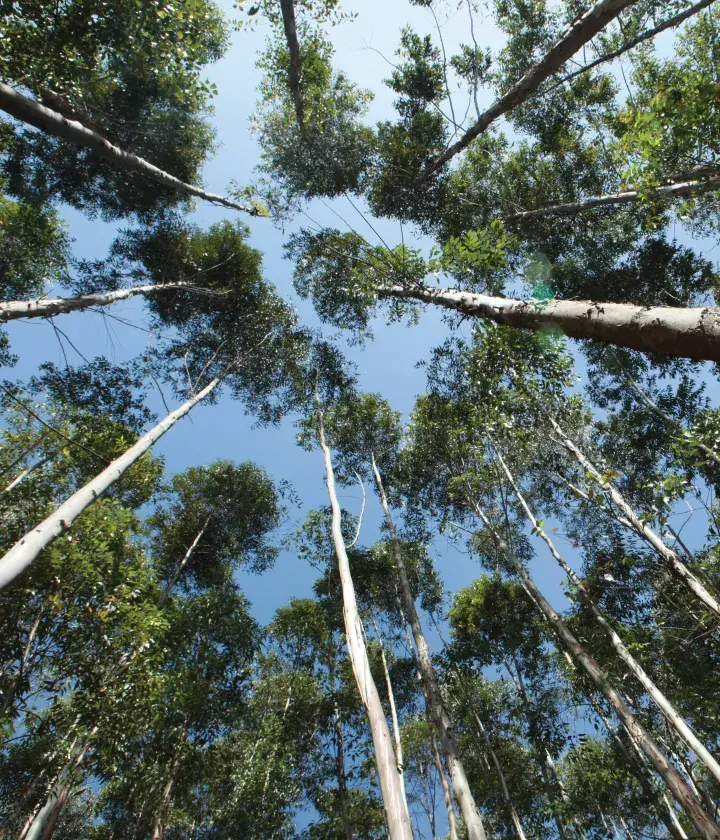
[[291, 39], [580, 32], [51, 122]]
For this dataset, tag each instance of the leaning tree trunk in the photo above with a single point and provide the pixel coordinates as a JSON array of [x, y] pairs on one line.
[[11, 310], [183, 563], [56, 125], [27, 549], [690, 803], [441, 719], [688, 332], [287, 8], [672, 561], [396, 812], [582, 30], [671, 714], [447, 796]]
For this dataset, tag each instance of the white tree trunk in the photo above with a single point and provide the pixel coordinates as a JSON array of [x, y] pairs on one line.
[[441, 719], [396, 812], [671, 714], [56, 125], [447, 796], [26, 550], [690, 803], [692, 333], [582, 30], [11, 310], [668, 192], [673, 562]]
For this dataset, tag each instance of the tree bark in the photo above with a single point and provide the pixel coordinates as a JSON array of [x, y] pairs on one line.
[[670, 23], [692, 333], [396, 812], [501, 777], [582, 30], [671, 559], [56, 125], [27, 549], [670, 713], [22, 665], [667, 192], [182, 564], [447, 796], [11, 310], [287, 7], [159, 828], [441, 719], [693, 807]]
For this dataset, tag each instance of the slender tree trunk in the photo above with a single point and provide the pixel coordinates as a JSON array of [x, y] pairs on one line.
[[677, 785], [671, 714], [188, 554], [25, 473], [668, 192], [672, 561], [671, 421], [396, 812], [441, 719], [287, 8], [56, 125], [11, 310], [342, 777], [393, 712], [47, 816], [26, 550], [501, 777], [159, 828], [447, 796], [692, 333], [582, 30], [670, 23], [663, 808], [22, 665]]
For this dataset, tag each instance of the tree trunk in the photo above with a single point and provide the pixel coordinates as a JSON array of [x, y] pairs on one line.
[[668, 192], [501, 777], [673, 562], [22, 665], [159, 828], [342, 778], [438, 712], [183, 563], [287, 8], [670, 23], [692, 333], [677, 785], [393, 713], [11, 310], [26, 550], [25, 473], [672, 716], [51, 122], [396, 812], [582, 30], [447, 796]]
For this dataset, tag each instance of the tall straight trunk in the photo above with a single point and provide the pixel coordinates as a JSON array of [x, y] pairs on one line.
[[56, 125], [582, 30], [671, 559], [517, 825], [396, 812], [447, 796], [671, 714], [159, 828], [393, 712], [441, 719], [669, 23], [690, 803], [11, 310], [638, 764], [692, 333], [186, 558], [287, 7], [27, 549], [25, 473], [667, 192], [545, 761], [342, 777], [47, 816]]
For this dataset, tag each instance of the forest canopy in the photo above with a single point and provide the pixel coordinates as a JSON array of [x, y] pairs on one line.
[[528, 196]]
